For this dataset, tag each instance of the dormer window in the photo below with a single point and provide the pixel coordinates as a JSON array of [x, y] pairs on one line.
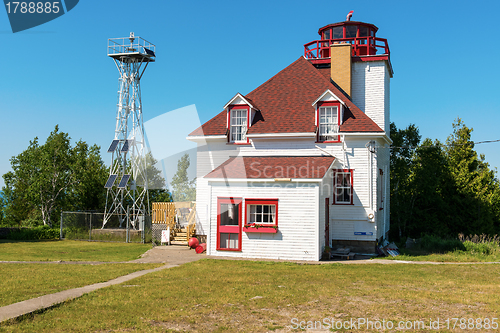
[[238, 120], [328, 121]]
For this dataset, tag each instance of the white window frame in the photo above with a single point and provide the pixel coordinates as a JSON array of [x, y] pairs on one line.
[[238, 122], [251, 218], [254, 215], [343, 188], [328, 123]]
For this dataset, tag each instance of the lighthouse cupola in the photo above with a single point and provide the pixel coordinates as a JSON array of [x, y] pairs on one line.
[[353, 55], [361, 36]]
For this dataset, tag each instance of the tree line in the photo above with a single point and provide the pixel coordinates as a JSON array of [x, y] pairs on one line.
[[441, 188], [58, 176], [436, 188]]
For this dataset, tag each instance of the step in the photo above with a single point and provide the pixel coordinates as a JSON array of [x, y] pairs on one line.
[[176, 242]]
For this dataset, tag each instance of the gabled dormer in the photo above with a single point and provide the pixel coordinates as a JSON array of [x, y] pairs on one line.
[[329, 114], [240, 113]]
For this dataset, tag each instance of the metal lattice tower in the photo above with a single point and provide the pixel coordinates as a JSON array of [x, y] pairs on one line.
[[127, 185]]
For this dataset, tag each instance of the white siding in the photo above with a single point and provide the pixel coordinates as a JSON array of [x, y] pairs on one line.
[[343, 219], [209, 157], [301, 208], [297, 236], [370, 90]]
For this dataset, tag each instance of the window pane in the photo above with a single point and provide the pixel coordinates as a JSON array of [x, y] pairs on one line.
[[328, 123], [229, 214], [224, 240], [338, 32], [350, 31], [346, 180], [238, 125], [264, 214], [343, 187], [363, 31], [233, 241], [228, 241], [326, 34]]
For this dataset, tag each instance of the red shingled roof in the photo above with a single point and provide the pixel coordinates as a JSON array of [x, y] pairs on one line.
[[270, 167], [285, 102]]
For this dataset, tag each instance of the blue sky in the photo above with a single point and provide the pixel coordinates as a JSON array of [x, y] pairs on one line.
[[443, 54]]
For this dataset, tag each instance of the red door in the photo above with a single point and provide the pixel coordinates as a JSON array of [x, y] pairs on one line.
[[229, 224]]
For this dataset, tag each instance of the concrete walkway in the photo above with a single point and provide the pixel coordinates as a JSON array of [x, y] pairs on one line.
[[172, 256]]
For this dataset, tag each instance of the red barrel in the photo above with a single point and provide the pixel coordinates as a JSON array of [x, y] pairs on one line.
[[201, 248], [193, 243]]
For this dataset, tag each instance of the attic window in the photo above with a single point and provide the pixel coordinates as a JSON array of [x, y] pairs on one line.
[[238, 124], [328, 116]]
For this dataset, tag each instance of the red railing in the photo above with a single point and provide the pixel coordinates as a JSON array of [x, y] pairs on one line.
[[361, 46]]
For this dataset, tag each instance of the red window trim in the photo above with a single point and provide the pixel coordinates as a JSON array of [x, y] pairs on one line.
[[335, 187], [233, 201], [263, 227], [228, 120], [328, 103]]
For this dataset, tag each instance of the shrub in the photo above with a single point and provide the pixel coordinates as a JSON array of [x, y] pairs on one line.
[[36, 233], [482, 244], [436, 244], [480, 248]]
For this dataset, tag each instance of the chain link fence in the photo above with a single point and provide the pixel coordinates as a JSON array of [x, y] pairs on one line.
[[89, 226]]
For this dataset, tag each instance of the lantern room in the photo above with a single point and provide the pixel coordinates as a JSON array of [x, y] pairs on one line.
[[362, 37]]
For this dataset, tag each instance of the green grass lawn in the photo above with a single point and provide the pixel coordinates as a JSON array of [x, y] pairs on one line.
[[245, 296], [452, 256], [67, 250], [20, 282]]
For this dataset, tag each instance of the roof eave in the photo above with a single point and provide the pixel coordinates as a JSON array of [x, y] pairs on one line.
[[264, 180], [197, 138], [381, 135]]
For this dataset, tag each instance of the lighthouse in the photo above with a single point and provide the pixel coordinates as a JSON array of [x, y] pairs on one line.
[[359, 64]]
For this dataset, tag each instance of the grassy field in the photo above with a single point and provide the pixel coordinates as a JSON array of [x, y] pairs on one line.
[[70, 251], [452, 256], [482, 248], [245, 296], [20, 282]]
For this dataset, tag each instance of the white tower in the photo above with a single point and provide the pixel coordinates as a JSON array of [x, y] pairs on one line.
[[127, 185]]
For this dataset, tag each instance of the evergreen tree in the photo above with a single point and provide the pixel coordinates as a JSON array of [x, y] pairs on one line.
[[432, 186], [183, 188], [158, 191], [405, 142], [476, 184], [441, 189]]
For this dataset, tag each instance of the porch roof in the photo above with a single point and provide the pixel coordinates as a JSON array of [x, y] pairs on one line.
[[273, 167]]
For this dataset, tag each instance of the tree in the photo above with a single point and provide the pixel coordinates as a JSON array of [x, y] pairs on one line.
[[477, 187], [183, 188], [2, 207], [432, 191], [441, 189], [16, 207], [405, 142], [54, 176], [91, 174], [158, 191]]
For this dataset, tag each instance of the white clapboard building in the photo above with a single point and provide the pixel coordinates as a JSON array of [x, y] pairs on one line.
[[302, 161]]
